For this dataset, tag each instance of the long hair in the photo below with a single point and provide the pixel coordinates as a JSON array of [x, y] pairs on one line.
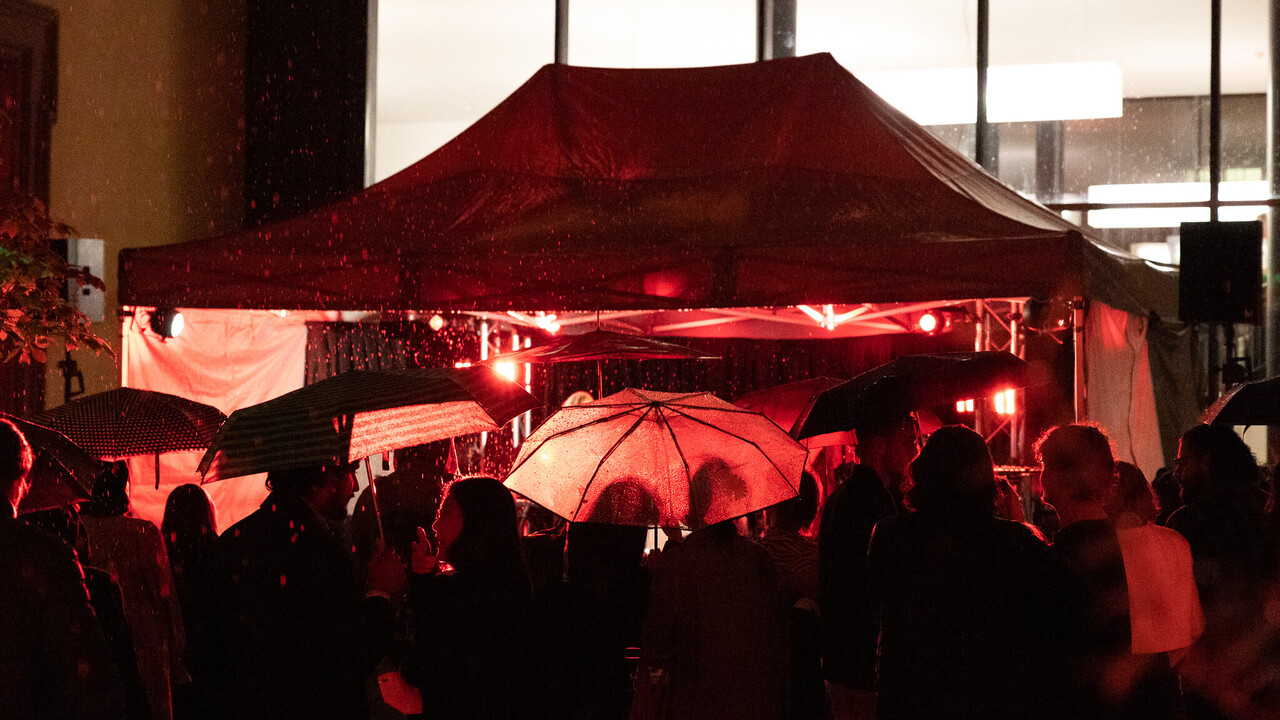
[[1233, 470], [954, 474], [488, 548], [189, 520]]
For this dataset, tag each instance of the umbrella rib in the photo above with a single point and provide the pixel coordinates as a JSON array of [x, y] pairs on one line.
[[606, 456], [570, 429], [752, 443], [683, 461]]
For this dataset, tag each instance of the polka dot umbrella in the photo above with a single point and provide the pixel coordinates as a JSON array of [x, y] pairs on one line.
[[127, 422]]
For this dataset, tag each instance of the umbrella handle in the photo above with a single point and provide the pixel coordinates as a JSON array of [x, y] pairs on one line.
[[373, 495]]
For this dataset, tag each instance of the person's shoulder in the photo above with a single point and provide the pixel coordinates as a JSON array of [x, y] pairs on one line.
[[1168, 536], [20, 539]]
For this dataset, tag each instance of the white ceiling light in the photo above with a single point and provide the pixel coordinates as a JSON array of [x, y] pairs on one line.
[[1169, 193], [1015, 93]]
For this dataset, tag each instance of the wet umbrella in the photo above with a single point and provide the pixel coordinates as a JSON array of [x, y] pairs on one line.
[[788, 403], [361, 413], [601, 345], [126, 422], [915, 382], [1250, 403], [63, 472], [646, 458]]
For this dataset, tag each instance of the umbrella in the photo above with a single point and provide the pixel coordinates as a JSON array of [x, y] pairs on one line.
[[63, 472], [648, 458], [914, 382], [788, 403], [128, 421], [601, 345], [361, 413], [1250, 403]]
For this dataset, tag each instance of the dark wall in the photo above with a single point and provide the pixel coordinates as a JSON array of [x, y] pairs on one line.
[[304, 104]]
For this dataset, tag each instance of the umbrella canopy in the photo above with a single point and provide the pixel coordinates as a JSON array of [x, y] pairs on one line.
[[127, 421], [648, 458], [63, 472], [1251, 403], [361, 413], [603, 345], [788, 403], [914, 382]]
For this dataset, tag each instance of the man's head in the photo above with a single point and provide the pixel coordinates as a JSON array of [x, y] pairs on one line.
[[1078, 464], [1214, 457], [16, 460], [326, 488], [954, 474], [888, 444]]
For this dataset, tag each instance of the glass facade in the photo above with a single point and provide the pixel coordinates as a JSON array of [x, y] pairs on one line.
[[440, 66]]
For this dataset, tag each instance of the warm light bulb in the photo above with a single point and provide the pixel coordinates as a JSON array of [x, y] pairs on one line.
[[928, 322]]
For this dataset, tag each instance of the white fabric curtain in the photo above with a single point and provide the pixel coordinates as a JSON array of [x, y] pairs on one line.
[[225, 358], [1119, 394]]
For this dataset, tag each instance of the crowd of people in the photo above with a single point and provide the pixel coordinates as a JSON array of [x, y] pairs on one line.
[[910, 587]]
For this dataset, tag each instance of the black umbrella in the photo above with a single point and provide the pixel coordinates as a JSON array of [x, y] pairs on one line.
[[63, 472], [914, 382], [1251, 403], [126, 422]]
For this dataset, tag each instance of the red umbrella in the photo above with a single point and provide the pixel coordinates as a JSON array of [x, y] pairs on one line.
[[601, 345], [648, 458]]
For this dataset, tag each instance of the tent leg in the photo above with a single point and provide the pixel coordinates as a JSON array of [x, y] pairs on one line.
[[1078, 350]]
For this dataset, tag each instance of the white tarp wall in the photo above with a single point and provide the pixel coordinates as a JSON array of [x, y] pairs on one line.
[[1120, 395], [225, 358]]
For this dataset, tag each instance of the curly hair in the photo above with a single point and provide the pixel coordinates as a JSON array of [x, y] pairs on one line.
[[1083, 457]]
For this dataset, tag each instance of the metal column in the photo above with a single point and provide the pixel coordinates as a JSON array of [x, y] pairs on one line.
[[1271, 290], [775, 29]]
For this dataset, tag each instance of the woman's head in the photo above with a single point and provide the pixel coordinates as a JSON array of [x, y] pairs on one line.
[[954, 473], [1130, 498], [188, 515], [476, 527]]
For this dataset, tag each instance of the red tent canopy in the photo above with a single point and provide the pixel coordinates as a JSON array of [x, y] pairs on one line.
[[768, 184]]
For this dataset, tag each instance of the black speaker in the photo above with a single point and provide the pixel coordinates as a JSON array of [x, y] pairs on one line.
[[1220, 279]]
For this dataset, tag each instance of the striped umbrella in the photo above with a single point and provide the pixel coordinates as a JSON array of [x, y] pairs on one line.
[[361, 413]]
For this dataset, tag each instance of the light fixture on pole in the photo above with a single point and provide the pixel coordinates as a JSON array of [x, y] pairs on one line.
[[166, 322]]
